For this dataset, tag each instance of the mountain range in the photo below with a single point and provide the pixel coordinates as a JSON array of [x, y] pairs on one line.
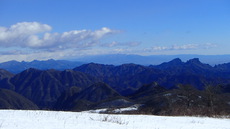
[[112, 59], [118, 59], [17, 67], [161, 89]]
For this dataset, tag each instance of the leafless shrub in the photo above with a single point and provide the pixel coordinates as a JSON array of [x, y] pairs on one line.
[[114, 119]]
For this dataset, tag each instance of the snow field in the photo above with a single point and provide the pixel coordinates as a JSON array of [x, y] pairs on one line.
[[21, 119]]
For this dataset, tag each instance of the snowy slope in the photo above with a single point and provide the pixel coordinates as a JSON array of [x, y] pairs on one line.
[[16, 119]]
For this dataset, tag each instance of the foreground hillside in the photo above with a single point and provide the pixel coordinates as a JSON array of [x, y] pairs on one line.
[[16, 119]]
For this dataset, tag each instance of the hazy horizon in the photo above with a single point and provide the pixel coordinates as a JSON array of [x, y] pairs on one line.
[[119, 59]]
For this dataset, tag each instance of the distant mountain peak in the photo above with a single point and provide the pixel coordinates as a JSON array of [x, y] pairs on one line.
[[194, 61], [128, 64], [50, 60], [177, 60], [171, 64], [94, 65], [17, 67]]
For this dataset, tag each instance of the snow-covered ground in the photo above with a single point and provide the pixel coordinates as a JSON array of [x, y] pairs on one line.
[[17, 119]]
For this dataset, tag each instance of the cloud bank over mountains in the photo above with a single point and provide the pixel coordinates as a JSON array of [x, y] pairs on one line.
[[33, 40], [35, 35]]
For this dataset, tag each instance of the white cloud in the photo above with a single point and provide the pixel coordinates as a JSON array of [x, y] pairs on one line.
[[35, 35], [114, 44], [18, 34], [100, 33], [33, 40], [26, 54], [181, 47]]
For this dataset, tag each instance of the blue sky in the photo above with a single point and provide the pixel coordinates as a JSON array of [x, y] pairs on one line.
[[43, 29]]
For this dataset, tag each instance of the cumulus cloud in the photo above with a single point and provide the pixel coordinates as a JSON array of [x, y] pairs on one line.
[[18, 34], [35, 35]]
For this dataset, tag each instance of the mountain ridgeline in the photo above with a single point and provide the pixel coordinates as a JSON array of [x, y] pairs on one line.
[[92, 86], [17, 67]]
